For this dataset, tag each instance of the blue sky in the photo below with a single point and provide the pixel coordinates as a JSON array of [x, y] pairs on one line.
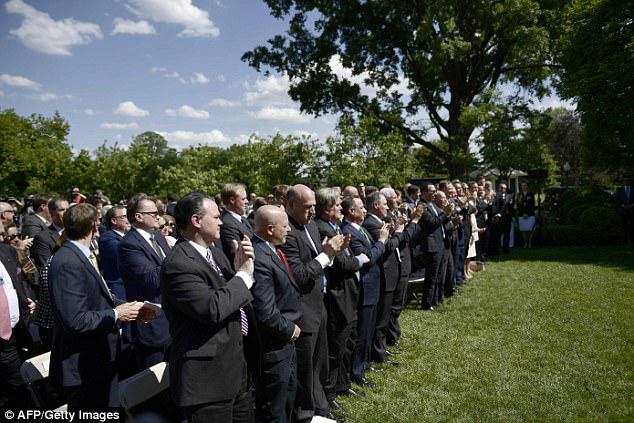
[[117, 68]]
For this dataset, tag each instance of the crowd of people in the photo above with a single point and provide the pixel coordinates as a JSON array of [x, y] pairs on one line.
[[265, 308]]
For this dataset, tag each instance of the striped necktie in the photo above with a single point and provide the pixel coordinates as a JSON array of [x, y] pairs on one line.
[[244, 322]]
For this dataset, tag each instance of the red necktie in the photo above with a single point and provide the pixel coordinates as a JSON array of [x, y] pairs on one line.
[[283, 257]]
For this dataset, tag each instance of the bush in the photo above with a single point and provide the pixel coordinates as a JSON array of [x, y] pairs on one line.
[[601, 216], [581, 234]]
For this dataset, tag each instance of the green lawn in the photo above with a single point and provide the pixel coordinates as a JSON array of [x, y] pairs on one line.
[[545, 335]]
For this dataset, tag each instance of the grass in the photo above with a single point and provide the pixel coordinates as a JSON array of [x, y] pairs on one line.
[[545, 335]]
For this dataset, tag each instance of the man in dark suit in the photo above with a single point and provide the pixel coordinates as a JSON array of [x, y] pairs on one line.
[[45, 241], [15, 307], [342, 297], [432, 242], [234, 225], [277, 305], [86, 316], [140, 254], [308, 257], [203, 300], [117, 225], [625, 202], [361, 243], [501, 221], [38, 221]]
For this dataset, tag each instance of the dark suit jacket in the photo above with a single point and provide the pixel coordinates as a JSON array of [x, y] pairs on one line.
[[43, 246], [307, 271], [370, 272], [86, 335], [526, 204], [276, 298], [503, 204], [343, 285], [389, 265], [206, 355], [32, 225], [139, 267], [108, 251], [229, 230], [431, 233]]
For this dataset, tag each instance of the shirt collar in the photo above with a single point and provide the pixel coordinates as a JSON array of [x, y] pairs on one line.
[[145, 234], [235, 215], [57, 228], [82, 248], [118, 233], [376, 217], [201, 250], [41, 218], [271, 246]]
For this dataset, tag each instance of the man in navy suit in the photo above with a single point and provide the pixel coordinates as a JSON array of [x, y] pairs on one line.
[[361, 243], [141, 252], [117, 225], [277, 305], [45, 241], [86, 318]]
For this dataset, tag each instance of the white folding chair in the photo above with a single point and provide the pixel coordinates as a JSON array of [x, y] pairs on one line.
[[34, 370], [143, 386]]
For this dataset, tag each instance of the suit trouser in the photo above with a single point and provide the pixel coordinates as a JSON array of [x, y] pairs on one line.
[[432, 267], [147, 357], [339, 332], [459, 257], [383, 312], [238, 409], [506, 222], [99, 392], [398, 304], [312, 372], [276, 385], [365, 334], [12, 390], [445, 276], [345, 369]]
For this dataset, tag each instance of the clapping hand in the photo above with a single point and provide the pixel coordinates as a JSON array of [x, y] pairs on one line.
[[245, 255], [332, 246]]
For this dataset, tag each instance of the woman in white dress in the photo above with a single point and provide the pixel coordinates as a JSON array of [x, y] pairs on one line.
[[471, 248]]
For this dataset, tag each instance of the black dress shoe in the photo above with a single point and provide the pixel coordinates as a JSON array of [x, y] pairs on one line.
[[363, 382], [393, 363], [352, 393], [430, 308], [336, 417], [335, 406], [388, 352]]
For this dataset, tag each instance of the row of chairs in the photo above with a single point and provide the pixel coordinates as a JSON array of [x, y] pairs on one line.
[[134, 391]]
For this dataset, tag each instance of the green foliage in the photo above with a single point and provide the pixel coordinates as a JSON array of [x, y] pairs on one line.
[[597, 54], [447, 53], [363, 153], [34, 153]]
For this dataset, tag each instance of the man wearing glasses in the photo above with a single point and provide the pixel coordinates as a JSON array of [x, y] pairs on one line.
[[117, 225], [140, 255]]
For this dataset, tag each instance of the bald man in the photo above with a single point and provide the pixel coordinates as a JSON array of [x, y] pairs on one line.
[[277, 306], [307, 256]]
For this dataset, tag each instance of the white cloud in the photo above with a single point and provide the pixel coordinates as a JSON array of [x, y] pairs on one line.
[[187, 112], [199, 78], [39, 32], [157, 69], [89, 112], [342, 72], [221, 78], [114, 125], [302, 133], [128, 108], [181, 12], [52, 96], [18, 81], [125, 26], [213, 137], [270, 90], [224, 103], [175, 75], [287, 114]]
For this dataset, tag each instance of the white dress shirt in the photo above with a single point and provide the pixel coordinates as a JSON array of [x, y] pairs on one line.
[[12, 296], [148, 237], [248, 280]]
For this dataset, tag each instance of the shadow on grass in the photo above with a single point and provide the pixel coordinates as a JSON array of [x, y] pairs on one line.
[[618, 256]]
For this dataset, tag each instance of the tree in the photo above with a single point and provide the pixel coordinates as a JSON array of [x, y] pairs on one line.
[[447, 54], [597, 54], [361, 152], [34, 153], [562, 136]]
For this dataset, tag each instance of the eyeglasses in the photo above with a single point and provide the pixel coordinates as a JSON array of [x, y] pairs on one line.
[[166, 224], [123, 216], [9, 211], [154, 214]]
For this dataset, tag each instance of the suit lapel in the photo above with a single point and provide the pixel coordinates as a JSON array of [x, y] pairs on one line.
[[277, 261], [98, 278], [145, 246]]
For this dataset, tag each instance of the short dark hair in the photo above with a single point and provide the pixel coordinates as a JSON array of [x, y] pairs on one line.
[[79, 220], [110, 214], [134, 204], [52, 203], [188, 206], [426, 185], [372, 199], [346, 204], [39, 201], [280, 191], [412, 190]]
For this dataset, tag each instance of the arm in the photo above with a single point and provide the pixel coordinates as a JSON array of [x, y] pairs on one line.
[[69, 297], [374, 253], [192, 296], [433, 222], [40, 251], [228, 233], [305, 273], [265, 306]]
